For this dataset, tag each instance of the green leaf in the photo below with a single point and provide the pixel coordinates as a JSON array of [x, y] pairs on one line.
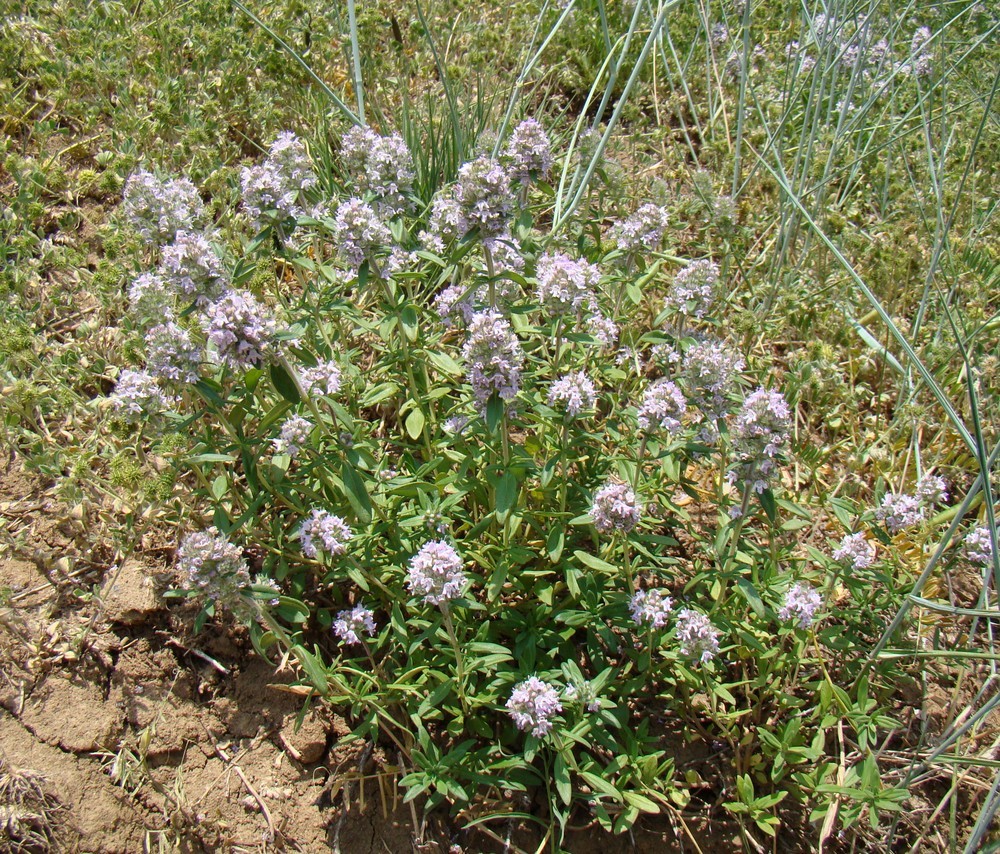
[[415, 784], [494, 412], [262, 640], [292, 610], [845, 511], [641, 803], [274, 471], [767, 502], [626, 818], [210, 393], [434, 700], [376, 394], [445, 363], [358, 577], [497, 580], [274, 415], [751, 595], [483, 648], [723, 692], [207, 611], [554, 542], [574, 618], [313, 668], [243, 272], [545, 593], [408, 318], [221, 520], [415, 423], [356, 493], [219, 487], [563, 786], [284, 383], [768, 824], [573, 581], [595, 562], [212, 458], [506, 495], [600, 785], [877, 346], [481, 727]]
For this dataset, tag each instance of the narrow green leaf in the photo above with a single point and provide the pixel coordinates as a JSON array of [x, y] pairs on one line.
[[210, 392], [313, 668], [358, 577], [203, 615], [778, 173], [221, 520], [845, 512], [435, 699], [563, 786], [408, 319], [445, 363], [595, 562], [555, 541], [722, 692], [273, 416], [600, 785], [767, 502], [357, 495], [212, 458], [292, 610], [494, 412], [383, 391], [506, 495], [875, 345], [641, 803], [305, 66], [751, 595], [497, 580]]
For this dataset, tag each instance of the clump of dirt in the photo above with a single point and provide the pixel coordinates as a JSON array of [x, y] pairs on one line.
[[129, 595]]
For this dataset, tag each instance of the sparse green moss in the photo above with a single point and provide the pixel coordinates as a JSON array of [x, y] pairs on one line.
[[86, 181], [126, 472], [110, 183], [108, 279], [57, 180]]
